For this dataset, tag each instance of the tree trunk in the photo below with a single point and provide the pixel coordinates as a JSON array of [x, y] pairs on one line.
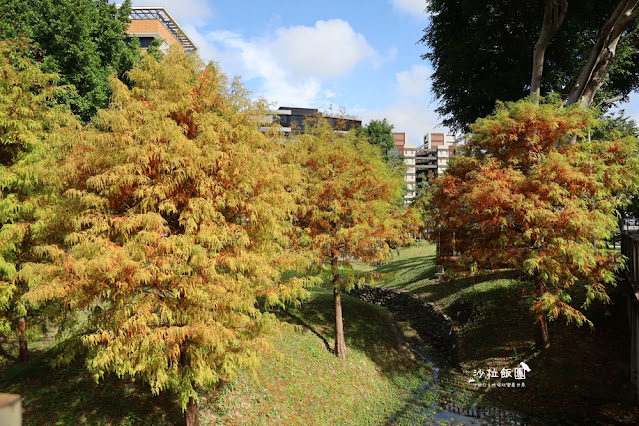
[[553, 18], [22, 339], [602, 53], [191, 414], [542, 340], [340, 344]]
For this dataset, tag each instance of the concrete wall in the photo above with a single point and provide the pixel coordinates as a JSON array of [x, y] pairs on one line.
[[10, 409]]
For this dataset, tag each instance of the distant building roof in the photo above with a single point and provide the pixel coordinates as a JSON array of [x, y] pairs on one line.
[[160, 14]]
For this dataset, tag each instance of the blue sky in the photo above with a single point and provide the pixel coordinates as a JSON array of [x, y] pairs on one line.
[[360, 57]]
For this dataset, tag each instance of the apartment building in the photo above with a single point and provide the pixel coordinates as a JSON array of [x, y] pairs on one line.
[[155, 23], [399, 138], [423, 162], [443, 147]]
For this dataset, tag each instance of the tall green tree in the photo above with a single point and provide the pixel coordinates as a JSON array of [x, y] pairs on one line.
[[180, 213], [83, 41], [33, 131], [520, 195], [482, 51], [380, 134], [349, 208]]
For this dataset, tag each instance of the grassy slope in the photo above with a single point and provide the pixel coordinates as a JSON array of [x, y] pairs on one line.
[[301, 383], [583, 377], [305, 384]]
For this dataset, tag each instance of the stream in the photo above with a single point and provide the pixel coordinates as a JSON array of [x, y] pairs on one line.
[[436, 328]]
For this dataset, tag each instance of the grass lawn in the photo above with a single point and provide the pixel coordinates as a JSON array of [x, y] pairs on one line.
[[300, 382], [303, 383], [583, 377], [70, 396]]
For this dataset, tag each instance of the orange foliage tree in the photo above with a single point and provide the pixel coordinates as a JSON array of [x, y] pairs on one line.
[[350, 207], [520, 195], [180, 213]]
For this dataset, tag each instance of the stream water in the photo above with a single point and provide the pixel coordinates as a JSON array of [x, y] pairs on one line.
[[423, 406], [430, 411]]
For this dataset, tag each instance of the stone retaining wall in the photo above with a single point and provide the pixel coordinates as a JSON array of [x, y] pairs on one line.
[[431, 323]]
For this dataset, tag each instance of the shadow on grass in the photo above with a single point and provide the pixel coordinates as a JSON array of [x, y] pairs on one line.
[[70, 396], [297, 320], [428, 286], [402, 265], [583, 378], [4, 354], [367, 328]]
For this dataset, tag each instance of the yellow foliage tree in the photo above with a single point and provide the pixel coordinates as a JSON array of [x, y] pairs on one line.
[[180, 211], [33, 129]]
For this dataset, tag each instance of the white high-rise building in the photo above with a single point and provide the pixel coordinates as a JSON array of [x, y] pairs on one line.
[[423, 162]]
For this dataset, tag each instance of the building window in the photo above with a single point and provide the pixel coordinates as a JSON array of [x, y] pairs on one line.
[[145, 42]]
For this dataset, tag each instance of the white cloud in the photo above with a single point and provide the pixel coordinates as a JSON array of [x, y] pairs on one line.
[[182, 10], [409, 116], [414, 7], [328, 49], [253, 61], [292, 67], [206, 50], [415, 82]]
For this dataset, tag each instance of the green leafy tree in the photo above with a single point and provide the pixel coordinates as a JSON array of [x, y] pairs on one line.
[[614, 126], [349, 207], [32, 132], [482, 51], [520, 195], [180, 212], [83, 41], [379, 133]]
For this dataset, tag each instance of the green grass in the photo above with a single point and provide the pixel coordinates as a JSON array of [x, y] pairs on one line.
[[70, 396], [303, 383], [299, 382], [583, 378]]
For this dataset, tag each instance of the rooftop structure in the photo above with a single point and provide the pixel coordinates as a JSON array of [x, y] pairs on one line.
[[292, 119], [155, 23]]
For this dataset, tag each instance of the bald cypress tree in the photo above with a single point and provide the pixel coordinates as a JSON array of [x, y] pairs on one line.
[[520, 196], [179, 212], [33, 131], [350, 209]]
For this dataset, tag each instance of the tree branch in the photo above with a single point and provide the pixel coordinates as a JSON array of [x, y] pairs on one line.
[[554, 15], [602, 52]]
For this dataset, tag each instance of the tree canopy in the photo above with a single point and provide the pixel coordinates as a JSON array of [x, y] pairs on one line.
[[33, 130], [83, 41], [520, 195], [180, 214], [349, 206], [482, 51], [380, 134]]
